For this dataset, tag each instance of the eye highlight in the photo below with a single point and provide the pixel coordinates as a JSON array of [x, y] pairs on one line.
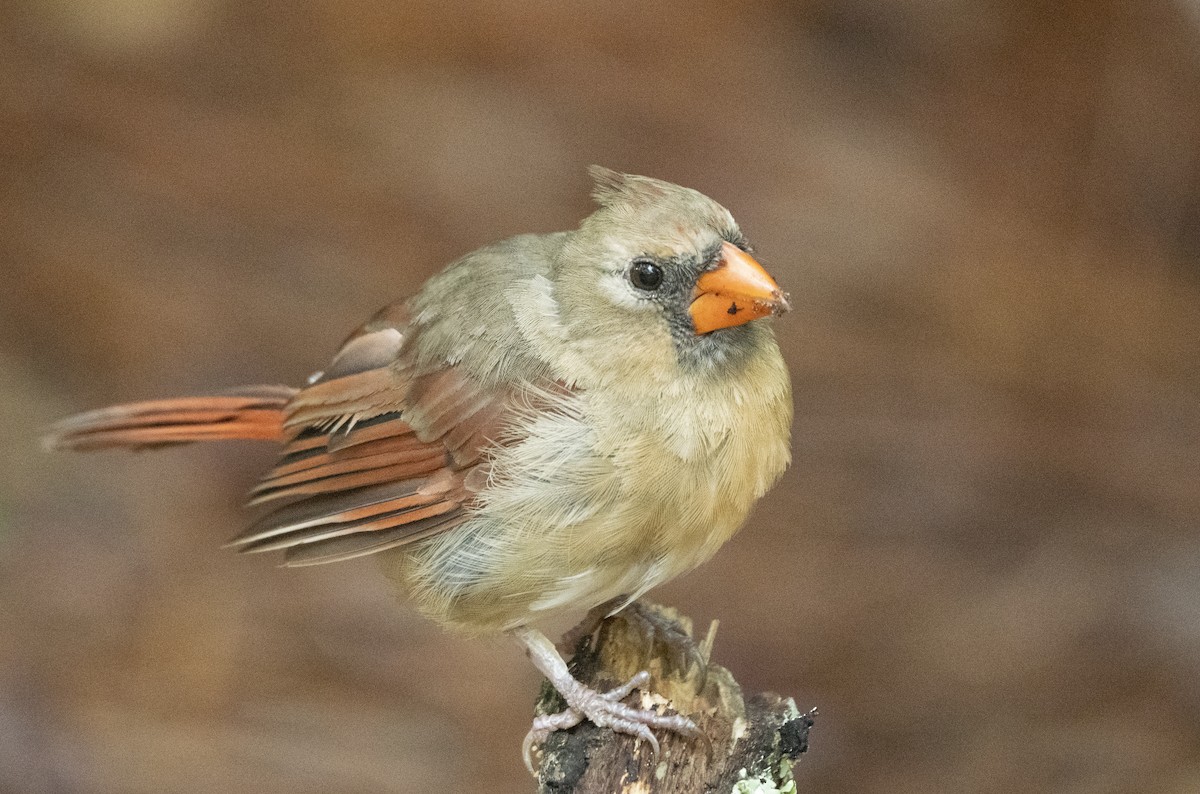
[[645, 275]]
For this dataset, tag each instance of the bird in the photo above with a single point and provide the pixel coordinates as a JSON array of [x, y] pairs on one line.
[[552, 422]]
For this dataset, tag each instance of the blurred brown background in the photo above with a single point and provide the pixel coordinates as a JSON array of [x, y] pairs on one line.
[[984, 566]]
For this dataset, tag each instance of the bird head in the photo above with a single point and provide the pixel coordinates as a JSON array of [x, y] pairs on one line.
[[666, 270]]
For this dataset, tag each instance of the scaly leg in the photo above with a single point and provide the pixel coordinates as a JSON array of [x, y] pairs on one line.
[[602, 708]]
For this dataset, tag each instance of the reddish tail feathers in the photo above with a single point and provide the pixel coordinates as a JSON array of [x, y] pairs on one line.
[[252, 412]]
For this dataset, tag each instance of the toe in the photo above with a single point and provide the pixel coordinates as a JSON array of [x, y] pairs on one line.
[[543, 726], [622, 692]]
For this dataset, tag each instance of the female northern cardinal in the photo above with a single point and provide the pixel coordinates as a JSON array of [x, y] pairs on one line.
[[553, 422]]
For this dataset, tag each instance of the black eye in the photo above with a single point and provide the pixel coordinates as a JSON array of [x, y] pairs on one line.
[[645, 274]]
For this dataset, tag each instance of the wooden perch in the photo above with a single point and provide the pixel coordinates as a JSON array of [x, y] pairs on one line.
[[747, 746]]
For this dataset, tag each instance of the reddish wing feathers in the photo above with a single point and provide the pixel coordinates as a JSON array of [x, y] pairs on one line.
[[383, 458]]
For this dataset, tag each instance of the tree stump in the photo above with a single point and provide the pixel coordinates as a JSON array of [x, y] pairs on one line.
[[746, 746]]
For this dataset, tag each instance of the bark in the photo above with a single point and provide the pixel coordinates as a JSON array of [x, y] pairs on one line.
[[748, 745]]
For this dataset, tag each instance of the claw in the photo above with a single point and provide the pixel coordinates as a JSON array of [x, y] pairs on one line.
[[527, 751], [644, 733]]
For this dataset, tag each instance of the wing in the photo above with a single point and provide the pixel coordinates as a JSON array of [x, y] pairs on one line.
[[380, 454]]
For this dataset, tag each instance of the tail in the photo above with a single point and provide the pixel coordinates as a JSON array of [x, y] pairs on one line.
[[251, 412]]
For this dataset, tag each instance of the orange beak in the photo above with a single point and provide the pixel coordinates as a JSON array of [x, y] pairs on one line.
[[736, 292]]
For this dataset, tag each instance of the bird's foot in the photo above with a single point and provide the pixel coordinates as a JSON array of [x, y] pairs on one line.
[[606, 710]]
